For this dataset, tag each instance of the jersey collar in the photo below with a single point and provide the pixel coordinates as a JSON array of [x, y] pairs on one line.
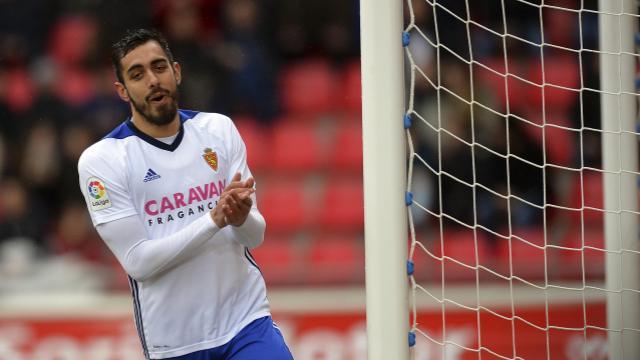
[[155, 142]]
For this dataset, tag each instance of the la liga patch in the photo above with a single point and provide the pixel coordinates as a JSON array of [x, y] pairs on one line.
[[97, 194]]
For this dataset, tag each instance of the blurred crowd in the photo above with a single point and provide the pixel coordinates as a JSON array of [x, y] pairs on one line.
[[275, 62], [57, 95], [511, 133]]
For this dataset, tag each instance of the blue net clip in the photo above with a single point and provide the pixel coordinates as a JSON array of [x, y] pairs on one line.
[[410, 267], [407, 121], [637, 38], [412, 338], [406, 38], [637, 83], [408, 198]]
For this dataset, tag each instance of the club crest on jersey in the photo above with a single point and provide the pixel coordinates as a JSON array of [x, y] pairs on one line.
[[98, 195], [211, 158]]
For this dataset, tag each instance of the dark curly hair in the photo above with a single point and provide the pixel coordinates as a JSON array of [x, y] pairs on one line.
[[131, 40]]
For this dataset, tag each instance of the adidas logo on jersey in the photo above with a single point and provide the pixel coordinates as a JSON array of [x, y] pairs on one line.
[[151, 175]]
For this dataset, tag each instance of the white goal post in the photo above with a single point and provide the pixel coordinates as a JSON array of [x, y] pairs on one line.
[[618, 25], [384, 179]]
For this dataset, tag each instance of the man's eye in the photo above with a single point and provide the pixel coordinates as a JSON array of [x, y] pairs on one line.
[[136, 76], [161, 67]]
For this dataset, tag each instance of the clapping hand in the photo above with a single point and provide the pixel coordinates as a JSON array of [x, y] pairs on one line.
[[235, 202]]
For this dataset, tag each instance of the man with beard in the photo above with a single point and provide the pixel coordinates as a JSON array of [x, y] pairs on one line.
[[170, 193]]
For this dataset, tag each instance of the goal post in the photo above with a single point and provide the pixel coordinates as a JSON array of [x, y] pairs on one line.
[[384, 179], [618, 25]]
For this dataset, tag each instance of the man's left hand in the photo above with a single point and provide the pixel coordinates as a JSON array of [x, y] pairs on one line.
[[236, 200]]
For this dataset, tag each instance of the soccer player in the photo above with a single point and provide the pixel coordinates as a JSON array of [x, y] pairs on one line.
[[170, 193]]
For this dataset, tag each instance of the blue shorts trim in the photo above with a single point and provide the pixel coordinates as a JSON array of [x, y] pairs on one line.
[[260, 340]]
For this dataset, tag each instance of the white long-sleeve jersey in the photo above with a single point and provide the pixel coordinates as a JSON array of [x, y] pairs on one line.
[[194, 286]]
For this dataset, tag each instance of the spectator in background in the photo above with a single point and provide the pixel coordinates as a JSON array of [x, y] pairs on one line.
[[101, 112], [203, 86], [3, 155], [252, 73], [19, 220], [7, 129], [113, 20], [22, 25], [525, 180], [450, 117], [74, 140], [339, 41], [74, 234], [453, 118], [291, 30], [323, 29], [40, 166]]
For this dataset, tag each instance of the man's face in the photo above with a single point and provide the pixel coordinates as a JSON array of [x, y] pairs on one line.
[[151, 83]]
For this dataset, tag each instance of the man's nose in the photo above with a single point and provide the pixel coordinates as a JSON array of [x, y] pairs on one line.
[[152, 79]]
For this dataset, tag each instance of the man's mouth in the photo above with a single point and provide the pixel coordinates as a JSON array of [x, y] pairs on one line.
[[157, 97]]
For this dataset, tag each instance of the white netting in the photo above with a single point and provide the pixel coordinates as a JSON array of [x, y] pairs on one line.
[[505, 182]]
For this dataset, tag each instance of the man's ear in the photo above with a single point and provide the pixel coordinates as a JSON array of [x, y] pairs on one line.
[[122, 91], [177, 70]]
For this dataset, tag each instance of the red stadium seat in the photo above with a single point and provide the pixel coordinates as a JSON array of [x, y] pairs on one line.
[[309, 87], [20, 91], [594, 256], [591, 187], [426, 267], [117, 280], [346, 153], [336, 259], [72, 39], [295, 148], [351, 94], [461, 246], [593, 191], [78, 87], [527, 261], [560, 143], [494, 83], [560, 71], [534, 235], [283, 206], [342, 205], [256, 140], [277, 261]]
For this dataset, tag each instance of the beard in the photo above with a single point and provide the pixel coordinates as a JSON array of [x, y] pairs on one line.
[[162, 114]]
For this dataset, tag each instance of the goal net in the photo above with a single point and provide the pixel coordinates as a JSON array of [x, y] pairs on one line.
[[522, 182]]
